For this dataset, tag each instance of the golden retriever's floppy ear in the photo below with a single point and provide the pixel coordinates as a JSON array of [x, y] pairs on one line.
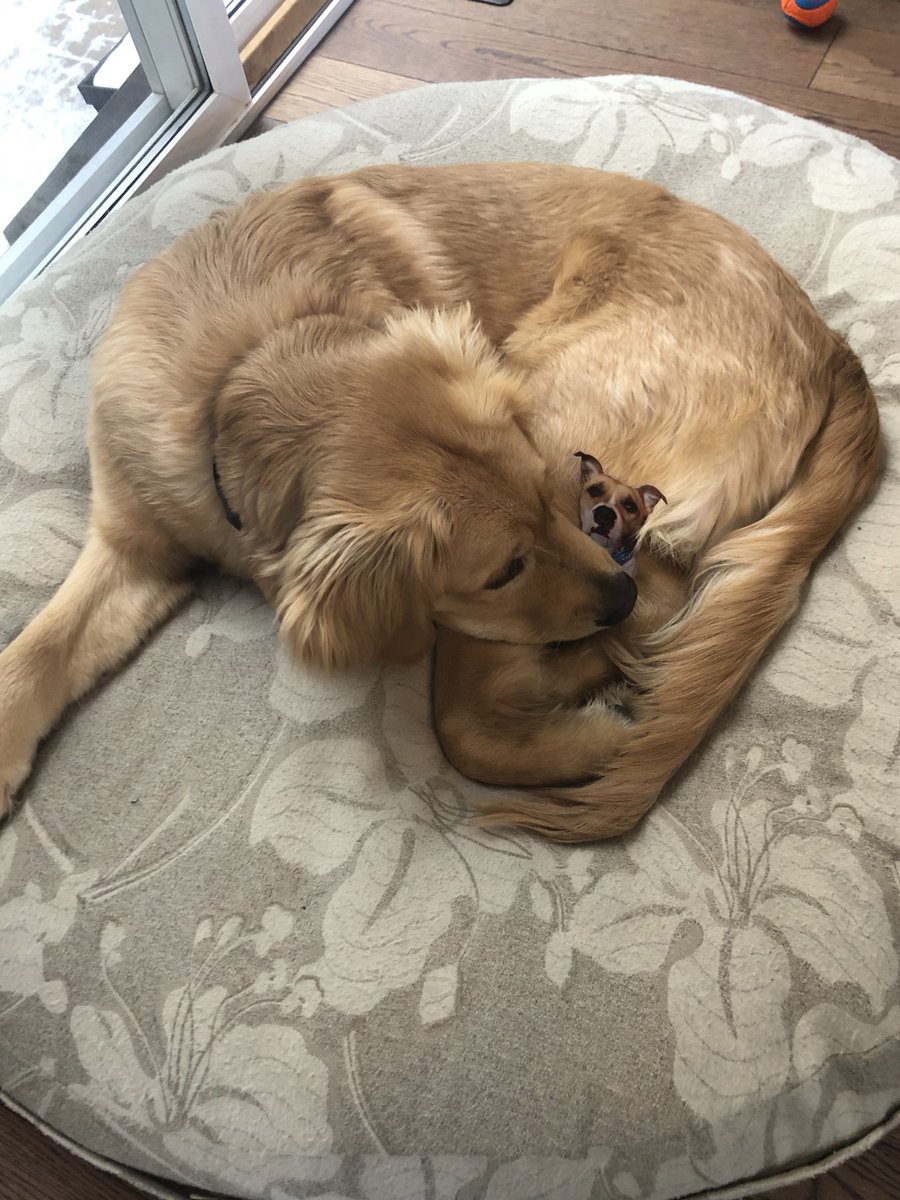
[[357, 590]]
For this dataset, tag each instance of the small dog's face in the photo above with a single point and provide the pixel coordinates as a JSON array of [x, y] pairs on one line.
[[611, 509], [517, 568]]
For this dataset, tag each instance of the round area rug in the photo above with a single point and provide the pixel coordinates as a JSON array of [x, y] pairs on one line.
[[248, 943]]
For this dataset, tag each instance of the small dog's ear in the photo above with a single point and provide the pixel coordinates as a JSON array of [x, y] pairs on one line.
[[589, 465], [651, 496]]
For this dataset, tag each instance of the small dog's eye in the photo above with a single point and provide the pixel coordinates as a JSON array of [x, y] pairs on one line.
[[513, 568], [596, 489], [629, 505]]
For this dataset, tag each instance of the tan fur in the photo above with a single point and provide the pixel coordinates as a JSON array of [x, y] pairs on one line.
[[392, 371]]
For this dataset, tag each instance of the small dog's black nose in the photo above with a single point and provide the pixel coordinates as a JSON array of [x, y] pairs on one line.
[[620, 596], [604, 519]]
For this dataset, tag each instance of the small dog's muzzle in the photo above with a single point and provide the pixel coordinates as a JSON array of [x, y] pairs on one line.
[[604, 518]]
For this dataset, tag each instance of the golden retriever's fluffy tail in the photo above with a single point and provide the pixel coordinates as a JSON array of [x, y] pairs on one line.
[[747, 587]]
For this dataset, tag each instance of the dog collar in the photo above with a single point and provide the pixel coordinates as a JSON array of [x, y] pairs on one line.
[[230, 515], [624, 557]]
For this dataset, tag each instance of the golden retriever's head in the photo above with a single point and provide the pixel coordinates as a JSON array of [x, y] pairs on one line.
[[431, 503]]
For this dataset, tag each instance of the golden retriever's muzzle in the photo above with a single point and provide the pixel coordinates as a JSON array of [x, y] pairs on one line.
[[619, 596]]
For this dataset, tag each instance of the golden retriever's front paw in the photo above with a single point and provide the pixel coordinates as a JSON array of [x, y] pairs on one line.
[[621, 699], [616, 698]]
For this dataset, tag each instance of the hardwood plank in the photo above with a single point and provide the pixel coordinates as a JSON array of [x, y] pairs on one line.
[[723, 33], [32, 1167], [882, 15], [262, 124], [323, 83], [393, 36], [874, 1175], [864, 63], [797, 1191], [271, 41]]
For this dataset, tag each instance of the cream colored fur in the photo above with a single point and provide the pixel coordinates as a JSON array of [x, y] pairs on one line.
[[392, 371]]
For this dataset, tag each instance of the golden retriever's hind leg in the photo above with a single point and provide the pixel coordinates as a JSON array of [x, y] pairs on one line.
[[518, 715], [110, 601], [574, 673], [569, 745]]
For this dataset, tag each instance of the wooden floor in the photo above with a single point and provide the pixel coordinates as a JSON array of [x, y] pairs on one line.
[[846, 74]]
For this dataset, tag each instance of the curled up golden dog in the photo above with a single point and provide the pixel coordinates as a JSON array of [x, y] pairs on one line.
[[365, 393]]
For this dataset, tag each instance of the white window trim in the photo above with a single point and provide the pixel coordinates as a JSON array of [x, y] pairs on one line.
[[147, 147], [208, 127], [72, 213], [329, 15]]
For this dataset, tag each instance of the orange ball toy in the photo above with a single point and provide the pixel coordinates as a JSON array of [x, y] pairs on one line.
[[807, 14]]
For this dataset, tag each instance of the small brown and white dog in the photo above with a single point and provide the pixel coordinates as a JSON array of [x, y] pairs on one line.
[[612, 513], [362, 393]]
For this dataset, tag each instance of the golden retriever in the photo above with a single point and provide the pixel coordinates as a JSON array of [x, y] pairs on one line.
[[364, 393]]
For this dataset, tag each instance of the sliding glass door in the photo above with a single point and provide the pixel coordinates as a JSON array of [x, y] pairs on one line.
[[105, 96]]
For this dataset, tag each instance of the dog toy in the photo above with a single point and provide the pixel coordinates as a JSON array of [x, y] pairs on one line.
[[808, 14], [612, 513]]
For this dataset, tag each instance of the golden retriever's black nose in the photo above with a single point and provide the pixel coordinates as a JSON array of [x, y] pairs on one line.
[[619, 596]]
